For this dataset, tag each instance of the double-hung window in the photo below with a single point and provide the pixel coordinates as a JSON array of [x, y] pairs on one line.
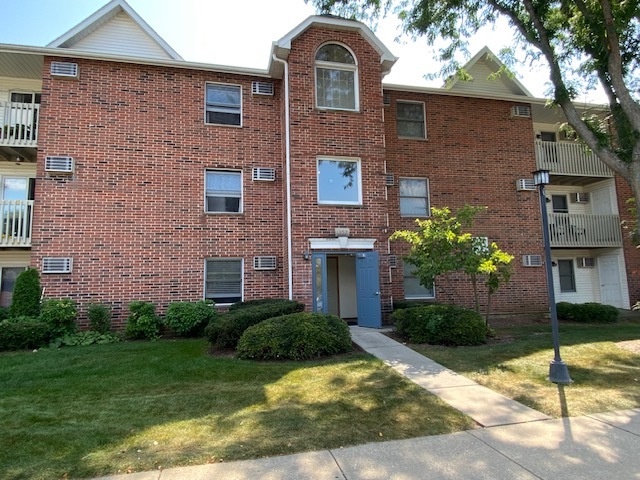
[[413, 289], [336, 78], [223, 191], [223, 104], [410, 119], [223, 280], [339, 181], [414, 197]]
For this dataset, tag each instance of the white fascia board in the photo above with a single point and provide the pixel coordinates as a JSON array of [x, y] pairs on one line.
[[336, 244]]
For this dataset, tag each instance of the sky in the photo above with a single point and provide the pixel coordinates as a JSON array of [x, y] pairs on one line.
[[238, 33]]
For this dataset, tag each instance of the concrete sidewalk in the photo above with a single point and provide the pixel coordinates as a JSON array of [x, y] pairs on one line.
[[516, 443]]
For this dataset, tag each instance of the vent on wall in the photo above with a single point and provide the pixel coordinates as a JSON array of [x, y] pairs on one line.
[[389, 180], [586, 262], [64, 69], [525, 184], [262, 88], [58, 164], [521, 111], [532, 260], [264, 263], [264, 174], [579, 197], [393, 261], [56, 265]]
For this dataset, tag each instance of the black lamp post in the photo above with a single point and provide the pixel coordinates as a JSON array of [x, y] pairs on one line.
[[558, 371]]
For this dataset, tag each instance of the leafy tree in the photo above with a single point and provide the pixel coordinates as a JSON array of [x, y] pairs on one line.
[[442, 245], [584, 42], [26, 294]]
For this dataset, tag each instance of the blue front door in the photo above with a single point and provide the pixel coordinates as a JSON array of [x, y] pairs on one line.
[[368, 290]]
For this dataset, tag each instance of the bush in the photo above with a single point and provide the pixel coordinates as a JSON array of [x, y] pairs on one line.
[[587, 312], [255, 303], [26, 294], [24, 334], [440, 325], [227, 328], [298, 336], [99, 317], [142, 323], [4, 313], [188, 319], [89, 337], [60, 315]]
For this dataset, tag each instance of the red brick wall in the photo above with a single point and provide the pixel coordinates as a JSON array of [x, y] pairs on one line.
[[631, 253], [132, 216], [473, 154]]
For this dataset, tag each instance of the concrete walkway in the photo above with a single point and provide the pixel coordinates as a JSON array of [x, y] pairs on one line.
[[517, 443]]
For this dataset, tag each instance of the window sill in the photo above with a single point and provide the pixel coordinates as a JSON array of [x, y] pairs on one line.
[[329, 109], [221, 125], [224, 213], [420, 139]]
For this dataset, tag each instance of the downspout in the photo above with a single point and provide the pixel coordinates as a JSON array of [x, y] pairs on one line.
[[287, 135]]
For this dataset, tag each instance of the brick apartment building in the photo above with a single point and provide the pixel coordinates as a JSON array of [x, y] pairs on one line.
[[130, 174]]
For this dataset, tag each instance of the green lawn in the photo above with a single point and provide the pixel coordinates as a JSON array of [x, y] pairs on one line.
[[605, 376], [89, 411]]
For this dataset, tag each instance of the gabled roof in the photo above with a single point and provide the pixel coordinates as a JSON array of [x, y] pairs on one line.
[[483, 64], [282, 47], [116, 20]]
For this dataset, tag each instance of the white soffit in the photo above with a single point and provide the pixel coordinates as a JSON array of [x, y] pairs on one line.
[[114, 25], [341, 244]]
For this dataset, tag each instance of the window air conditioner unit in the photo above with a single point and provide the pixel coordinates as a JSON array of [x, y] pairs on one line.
[[532, 260], [56, 265], [386, 99], [521, 111], [393, 261], [389, 180], [579, 197], [58, 164], [586, 262], [64, 69], [525, 184], [263, 174], [264, 263], [262, 88]]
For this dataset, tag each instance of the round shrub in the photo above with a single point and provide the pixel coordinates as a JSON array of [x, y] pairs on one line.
[[99, 316], [297, 336], [440, 325], [188, 319], [26, 294], [60, 315], [142, 323]]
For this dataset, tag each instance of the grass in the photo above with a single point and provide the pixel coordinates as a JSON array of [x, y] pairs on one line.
[[605, 376], [89, 411]]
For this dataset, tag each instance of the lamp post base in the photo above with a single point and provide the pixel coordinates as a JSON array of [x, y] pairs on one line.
[[558, 372]]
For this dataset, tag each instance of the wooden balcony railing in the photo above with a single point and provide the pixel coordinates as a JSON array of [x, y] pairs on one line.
[[16, 218], [19, 124], [581, 230], [563, 158]]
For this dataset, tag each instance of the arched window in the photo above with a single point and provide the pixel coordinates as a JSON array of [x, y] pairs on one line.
[[336, 78]]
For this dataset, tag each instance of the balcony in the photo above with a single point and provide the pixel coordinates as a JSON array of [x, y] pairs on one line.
[[584, 231], [19, 124], [573, 159], [16, 218]]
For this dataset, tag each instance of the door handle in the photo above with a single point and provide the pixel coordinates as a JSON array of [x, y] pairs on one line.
[[377, 293]]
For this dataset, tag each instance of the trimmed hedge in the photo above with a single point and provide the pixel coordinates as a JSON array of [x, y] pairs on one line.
[[142, 323], [255, 303], [227, 328], [188, 319], [26, 294], [298, 336], [23, 335], [587, 312], [440, 325]]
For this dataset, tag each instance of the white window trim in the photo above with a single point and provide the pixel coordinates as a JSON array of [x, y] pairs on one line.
[[224, 170], [205, 104], [404, 215], [340, 159], [347, 67], [204, 291], [424, 119]]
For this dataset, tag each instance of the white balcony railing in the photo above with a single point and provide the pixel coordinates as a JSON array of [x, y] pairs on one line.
[[581, 230], [564, 158], [16, 218], [19, 124]]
